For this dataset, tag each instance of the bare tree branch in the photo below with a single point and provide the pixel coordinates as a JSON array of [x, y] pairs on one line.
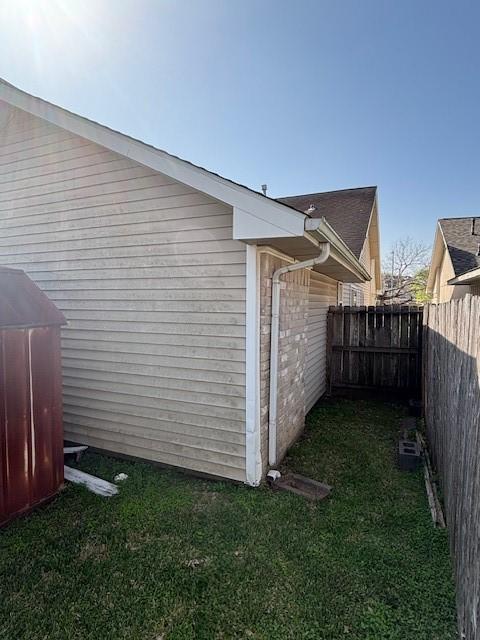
[[402, 267]]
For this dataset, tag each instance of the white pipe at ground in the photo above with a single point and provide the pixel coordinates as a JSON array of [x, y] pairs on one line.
[[274, 333]]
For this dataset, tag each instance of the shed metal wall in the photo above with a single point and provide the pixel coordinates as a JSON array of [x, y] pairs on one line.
[[31, 435], [153, 288], [322, 294]]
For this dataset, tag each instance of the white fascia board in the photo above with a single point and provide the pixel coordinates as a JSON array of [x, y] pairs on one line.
[[248, 225], [374, 218], [469, 277], [439, 246], [433, 261], [171, 166]]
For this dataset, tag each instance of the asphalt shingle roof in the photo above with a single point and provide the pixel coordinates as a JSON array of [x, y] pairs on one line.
[[462, 245], [348, 211]]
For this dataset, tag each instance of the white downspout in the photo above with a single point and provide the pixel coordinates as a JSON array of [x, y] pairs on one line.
[[275, 324]]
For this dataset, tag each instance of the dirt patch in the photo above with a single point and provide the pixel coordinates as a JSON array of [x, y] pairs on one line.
[[137, 540], [93, 551], [194, 563], [204, 499]]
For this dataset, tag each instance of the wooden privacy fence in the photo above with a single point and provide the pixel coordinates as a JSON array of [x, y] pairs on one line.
[[452, 415], [375, 348]]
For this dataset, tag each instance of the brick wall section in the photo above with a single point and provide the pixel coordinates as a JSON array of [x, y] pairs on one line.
[[292, 352]]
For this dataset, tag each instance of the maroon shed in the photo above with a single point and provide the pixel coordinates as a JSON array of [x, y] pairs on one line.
[[31, 428]]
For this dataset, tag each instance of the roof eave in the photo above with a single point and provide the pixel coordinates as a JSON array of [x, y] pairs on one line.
[[324, 232], [176, 168], [374, 217], [437, 253], [257, 219], [469, 277]]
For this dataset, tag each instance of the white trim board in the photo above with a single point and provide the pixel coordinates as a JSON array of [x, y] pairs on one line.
[[275, 252], [253, 462], [97, 485], [469, 277], [249, 225]]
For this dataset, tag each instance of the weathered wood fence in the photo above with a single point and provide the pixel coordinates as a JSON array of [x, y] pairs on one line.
[[375, 348], [452, 414]]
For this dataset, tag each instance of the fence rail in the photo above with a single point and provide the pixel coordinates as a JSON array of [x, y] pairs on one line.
[[375, 348], [452, 414]]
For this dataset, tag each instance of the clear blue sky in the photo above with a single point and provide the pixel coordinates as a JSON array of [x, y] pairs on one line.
[[303, 95]]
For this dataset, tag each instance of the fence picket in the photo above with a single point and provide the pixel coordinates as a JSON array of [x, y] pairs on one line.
[[375, 348]]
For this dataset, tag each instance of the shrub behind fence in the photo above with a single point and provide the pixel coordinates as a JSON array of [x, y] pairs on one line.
[[451, 362]]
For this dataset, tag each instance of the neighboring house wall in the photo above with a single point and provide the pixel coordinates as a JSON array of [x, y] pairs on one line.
[[322, 294], [353, 294], [445, 272], [365, 293], [153, 288], [366, 287], [442, 291]]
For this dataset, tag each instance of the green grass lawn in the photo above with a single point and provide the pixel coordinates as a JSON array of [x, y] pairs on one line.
[[173, 557]]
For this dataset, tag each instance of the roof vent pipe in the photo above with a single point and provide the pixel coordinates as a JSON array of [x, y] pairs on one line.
[[473, 226], [478, 250], [324, 248], [264, 189]]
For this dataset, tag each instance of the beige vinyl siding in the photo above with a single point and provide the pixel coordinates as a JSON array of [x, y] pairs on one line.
[[444, 292], [365, 291], [153, 288], [349, 297], [365, 259], [322, 294]]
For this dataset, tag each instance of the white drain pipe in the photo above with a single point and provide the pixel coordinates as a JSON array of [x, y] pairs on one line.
[[275, 324]]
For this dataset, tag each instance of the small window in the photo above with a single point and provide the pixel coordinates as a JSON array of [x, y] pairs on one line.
[[353, 297]]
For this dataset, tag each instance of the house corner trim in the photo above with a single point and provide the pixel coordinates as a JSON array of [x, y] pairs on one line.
[[253, 461]]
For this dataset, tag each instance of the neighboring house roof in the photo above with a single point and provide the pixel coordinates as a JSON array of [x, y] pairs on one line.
[[461, 243], [348, 211]]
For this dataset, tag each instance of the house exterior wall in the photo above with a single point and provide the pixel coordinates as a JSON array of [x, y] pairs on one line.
[[366, 287], [292, 353], [445, 272], [322, 294], [153, 288], [364, 293], [442, 291], [353, 294]]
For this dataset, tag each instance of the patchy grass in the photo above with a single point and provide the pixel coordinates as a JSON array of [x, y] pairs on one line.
[[178, 558]]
